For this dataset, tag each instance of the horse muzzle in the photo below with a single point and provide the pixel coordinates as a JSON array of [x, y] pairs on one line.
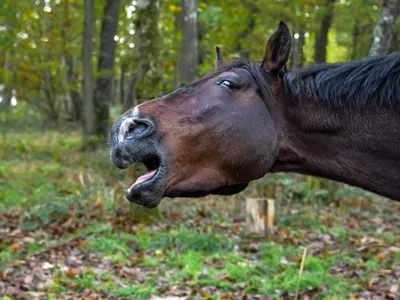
[[133, 140]]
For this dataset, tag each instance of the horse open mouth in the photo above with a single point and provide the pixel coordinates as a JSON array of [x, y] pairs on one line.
[[148, 189]]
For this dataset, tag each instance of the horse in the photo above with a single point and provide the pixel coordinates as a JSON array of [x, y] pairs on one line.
[[246, 119]]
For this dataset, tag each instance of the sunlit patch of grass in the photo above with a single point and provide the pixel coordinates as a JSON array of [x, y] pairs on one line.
[[234, 258], [371, 264], [183, 241], [237, 272], [396, 256], [109, 244], [135, 292], [341, 234], [189, 264], [5, 255], [86, 279], [149, 261], [274, 255], [275, 272]]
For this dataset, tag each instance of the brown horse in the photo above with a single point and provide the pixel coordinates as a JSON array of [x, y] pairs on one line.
[[214, 136]]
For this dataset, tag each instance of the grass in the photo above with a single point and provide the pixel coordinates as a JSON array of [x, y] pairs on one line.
[[57, 200]]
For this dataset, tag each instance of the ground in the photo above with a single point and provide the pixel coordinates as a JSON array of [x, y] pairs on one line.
[[66, 232]]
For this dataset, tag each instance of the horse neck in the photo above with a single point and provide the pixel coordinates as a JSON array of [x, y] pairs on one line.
[[357, 147]]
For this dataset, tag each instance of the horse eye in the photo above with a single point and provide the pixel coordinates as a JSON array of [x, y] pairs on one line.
[[228, 84]]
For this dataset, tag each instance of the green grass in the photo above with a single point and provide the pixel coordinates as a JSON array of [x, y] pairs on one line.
[[135, 292], [275, 270]]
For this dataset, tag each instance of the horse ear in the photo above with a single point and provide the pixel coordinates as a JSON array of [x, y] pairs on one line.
[[278, 49], [219, 60]]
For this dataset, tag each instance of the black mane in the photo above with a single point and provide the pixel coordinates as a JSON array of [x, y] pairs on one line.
[[371, 82]]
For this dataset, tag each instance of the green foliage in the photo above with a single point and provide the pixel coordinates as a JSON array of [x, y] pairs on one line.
[[53, 188], [108, 245], [135, 292], [185, 240], [38, 37]]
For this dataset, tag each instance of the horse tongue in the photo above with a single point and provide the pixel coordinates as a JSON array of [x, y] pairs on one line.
[[145, 176]]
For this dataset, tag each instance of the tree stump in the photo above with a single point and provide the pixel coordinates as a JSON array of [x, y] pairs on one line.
[[260, 214]]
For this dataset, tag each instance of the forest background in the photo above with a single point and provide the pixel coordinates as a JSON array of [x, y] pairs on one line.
[[70, 67]]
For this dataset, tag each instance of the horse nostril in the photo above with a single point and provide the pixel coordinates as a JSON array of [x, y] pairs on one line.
[[131, 126], [143, 128], [135, 128]]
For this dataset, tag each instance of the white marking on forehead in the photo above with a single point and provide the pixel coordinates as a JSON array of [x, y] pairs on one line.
[[125, 125], [135, 112], [124, 128]]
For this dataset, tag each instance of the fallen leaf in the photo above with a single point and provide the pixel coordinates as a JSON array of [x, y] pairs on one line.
[[72, 273], [28, 279], [222, 277], [380, 256], [15, 247], [83, 244], [46, 266], [394, 288], [97, 204], [373, 282]]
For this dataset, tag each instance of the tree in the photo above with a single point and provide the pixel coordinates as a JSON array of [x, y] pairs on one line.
[[71, 74], [130, 98], [321, 41], [356, 36], [8, 80], [383, 31], [87, 85], [146, 62], [297, 58], [189, 47], [104, 82], [9, 76]]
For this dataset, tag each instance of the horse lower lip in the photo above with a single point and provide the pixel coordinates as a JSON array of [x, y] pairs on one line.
[[141, 182], [141, 179], [148, 189]]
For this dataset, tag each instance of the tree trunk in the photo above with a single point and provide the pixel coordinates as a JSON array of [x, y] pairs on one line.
[[383, 31], [71, 75], [73, 93], [104, 82], [201, 33], [356, 36], [51, 97], [87, 86], [122, 84], [300, 56], [297, 53], [242, 36], [177, 29], [260, 213], [130, 99], [147, 52], [189, 45], [321, 41], [8, 80], [395, 45]]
